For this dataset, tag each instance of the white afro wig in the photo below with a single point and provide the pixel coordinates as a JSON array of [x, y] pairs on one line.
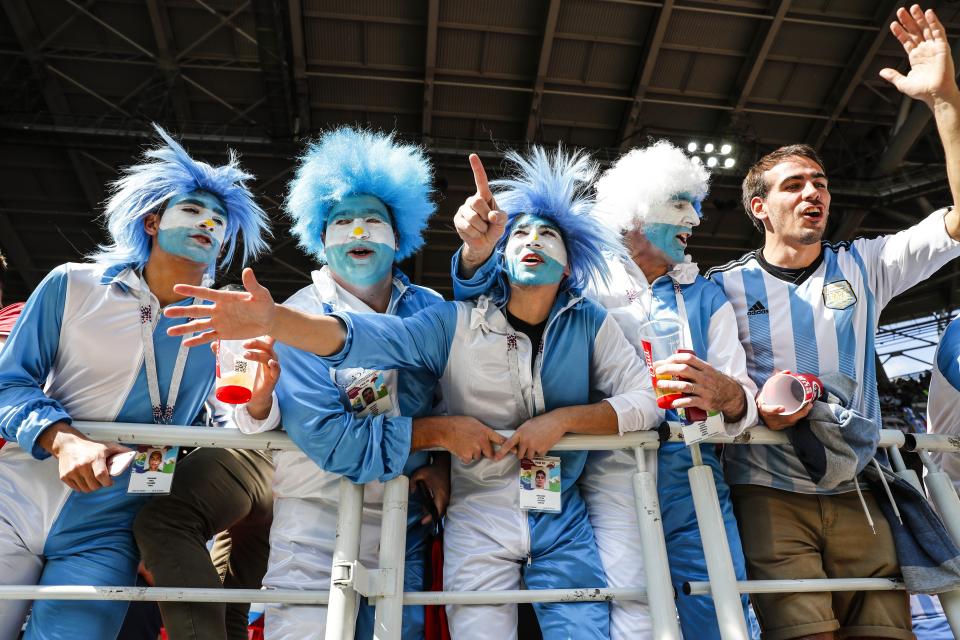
[[644, 179]]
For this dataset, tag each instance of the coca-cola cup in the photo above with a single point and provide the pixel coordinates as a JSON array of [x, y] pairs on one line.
[[659, 340], [792, 391]]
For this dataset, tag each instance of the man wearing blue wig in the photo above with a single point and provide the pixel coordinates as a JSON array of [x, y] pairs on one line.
[[527, 356], [360, 203], [651, 197], [91, 344]]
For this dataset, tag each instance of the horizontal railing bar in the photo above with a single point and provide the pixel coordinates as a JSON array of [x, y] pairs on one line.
[[277, 440], [931, 442], [295, 596], [802, 586], [133, 433], [163, 594]]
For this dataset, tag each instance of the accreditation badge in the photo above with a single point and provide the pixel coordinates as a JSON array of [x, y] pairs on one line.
[[540, 484], [700, 425], [368, 391], [839, 295], [152, 469]]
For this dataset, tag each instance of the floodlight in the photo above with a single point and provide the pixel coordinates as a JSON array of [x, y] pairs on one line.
[[729, 162], [696, 159], [725, 149], [712, 161], [692, 147], [708, 148]]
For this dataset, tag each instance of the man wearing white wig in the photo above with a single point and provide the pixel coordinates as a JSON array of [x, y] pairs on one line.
[[652, 198], [91, 344]]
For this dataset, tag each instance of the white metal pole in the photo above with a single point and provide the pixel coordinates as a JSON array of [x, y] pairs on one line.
[[388, 622], [716, 551], [660, 596], [342, 607], [944, 498], [162, 594], [299, 596], [900, 468], [803, 585]]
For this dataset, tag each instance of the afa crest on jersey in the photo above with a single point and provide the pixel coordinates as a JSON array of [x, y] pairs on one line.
[[839, 295]]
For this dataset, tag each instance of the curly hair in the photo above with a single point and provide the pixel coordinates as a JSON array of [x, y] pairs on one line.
[[346, 162]]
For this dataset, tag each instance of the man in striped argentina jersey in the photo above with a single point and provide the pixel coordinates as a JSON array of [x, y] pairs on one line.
[[812, 307]]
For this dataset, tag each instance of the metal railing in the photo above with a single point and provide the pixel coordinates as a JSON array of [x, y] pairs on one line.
[[383, 585]]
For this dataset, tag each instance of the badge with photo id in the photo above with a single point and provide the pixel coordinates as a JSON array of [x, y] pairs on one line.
[[368, 391], [152, 469], [539, 484]]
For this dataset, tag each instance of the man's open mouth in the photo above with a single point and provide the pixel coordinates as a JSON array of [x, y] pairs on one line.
[[531, 259], [814, 214], [682, 238], [360, 252], [203, 239]]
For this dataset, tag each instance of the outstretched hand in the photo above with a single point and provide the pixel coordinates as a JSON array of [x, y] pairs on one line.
[[478, 221], [234, 315], [931, 76]]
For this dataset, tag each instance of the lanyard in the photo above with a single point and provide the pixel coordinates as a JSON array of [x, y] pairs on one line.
[[162, 413], [686, 341]]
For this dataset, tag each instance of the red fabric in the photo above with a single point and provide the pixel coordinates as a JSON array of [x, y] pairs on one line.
[[435, 618], [8, 317]]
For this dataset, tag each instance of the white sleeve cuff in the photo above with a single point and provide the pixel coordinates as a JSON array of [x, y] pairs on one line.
[[636, 411], [250, 425]]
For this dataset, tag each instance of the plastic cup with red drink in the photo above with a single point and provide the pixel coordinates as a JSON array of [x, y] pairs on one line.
[[235, 374]]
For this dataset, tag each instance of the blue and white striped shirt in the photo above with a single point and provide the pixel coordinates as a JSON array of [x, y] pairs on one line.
[[823, 322]]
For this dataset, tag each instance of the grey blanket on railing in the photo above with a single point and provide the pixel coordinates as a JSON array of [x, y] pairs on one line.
[[834, 443], [928, 557]]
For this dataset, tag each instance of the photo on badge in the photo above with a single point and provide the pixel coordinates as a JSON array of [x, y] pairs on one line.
[[539, 483], [153, 468]]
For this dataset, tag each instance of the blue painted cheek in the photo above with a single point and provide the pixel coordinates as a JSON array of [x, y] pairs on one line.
[[366, 273], [551, 272], [178, 242], [664, 237]]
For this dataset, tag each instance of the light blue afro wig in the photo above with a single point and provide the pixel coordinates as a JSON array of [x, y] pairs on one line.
[[350, 162], [168, 171], [556, 187]]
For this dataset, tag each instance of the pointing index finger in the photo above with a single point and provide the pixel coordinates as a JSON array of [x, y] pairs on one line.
[[480, 178]]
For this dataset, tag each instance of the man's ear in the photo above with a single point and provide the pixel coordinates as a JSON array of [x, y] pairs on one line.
[[759, 208], [151, 223]]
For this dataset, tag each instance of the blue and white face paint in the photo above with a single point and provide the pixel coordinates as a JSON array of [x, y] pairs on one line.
[[359, 241], [669, 227], [193, 226], [535, 253]]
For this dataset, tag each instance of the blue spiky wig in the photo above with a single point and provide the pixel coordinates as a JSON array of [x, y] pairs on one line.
[[556, 187], [350, 162], [168, 171]]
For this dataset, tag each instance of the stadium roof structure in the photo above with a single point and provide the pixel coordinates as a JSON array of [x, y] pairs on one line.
[[82, 80]]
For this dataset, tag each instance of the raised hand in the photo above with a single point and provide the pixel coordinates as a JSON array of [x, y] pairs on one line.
[[235, 315], [478, 221], [931, 76]]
